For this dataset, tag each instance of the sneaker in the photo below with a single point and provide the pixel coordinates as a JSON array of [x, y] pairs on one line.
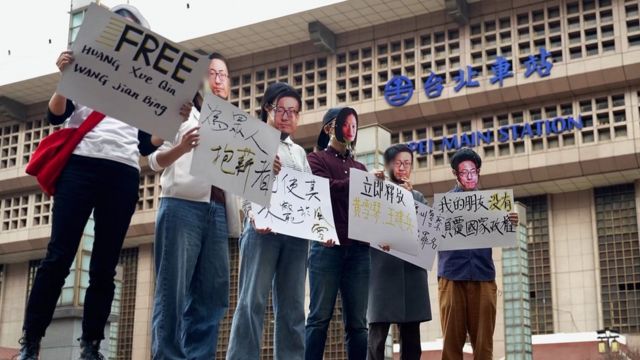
[[29, 348], [90, 350]]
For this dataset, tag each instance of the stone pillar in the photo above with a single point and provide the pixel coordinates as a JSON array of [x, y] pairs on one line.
[[373, 140], [515, 291], [13, 303]]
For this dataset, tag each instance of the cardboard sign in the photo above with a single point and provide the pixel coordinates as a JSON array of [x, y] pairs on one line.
[[236, 151], [428, 238], [381, 213], [300, 207], [476, 219], [131, 73]]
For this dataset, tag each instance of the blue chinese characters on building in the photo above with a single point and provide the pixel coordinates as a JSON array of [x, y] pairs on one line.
[[399, 89]]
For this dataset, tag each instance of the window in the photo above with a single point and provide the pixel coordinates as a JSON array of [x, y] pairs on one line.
[[31, 277], [124, 340], [619, 253], [149, 191], [539, 264], [9, 145], [14, 211], [590, 28], [77, 17]]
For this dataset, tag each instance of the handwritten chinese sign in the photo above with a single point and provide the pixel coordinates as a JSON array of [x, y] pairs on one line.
[[131, 73], [475, 219], [236, 151], [300, 207], [428, 238], [381, 212]]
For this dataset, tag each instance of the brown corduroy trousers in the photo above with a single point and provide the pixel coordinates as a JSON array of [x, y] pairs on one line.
[[467, 307]]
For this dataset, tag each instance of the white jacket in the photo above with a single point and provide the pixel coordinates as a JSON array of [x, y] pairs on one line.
[[177, 182]]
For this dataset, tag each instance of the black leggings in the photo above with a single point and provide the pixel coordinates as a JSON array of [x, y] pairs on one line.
[[110, 190]]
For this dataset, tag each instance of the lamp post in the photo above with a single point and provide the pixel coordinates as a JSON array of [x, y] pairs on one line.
[[607, 343]]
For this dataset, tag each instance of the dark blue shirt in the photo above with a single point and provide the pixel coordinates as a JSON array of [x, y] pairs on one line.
[[464, 265]]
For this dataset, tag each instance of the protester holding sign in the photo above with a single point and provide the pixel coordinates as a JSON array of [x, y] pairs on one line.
[[270, 261], [466, 280], [343, 268], [130, 72], [398, 291], [191, 246], [101, 176]]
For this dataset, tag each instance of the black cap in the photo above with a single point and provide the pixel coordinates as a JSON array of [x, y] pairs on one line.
[[465, 154], [271, 94], [131, 11], [329, 116]]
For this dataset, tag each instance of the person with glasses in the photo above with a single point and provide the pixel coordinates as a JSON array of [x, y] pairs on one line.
[[218, 76], [271, 261], [398, 290], [191, 248], [466, 280]]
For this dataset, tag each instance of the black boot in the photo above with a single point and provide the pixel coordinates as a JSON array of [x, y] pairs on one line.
[[90, 350], [29, 348]]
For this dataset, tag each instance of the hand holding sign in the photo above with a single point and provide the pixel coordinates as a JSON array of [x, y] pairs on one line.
[[65, 58]]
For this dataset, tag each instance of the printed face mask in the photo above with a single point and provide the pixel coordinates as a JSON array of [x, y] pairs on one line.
[[468, 175], [346, 127]]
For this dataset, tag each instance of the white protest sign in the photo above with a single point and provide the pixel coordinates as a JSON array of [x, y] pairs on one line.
[[131, 73], [476, 219], [428, 238], [381, 212], [236, 151], [300, 207]]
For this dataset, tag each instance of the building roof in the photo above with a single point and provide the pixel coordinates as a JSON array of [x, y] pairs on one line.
[[287, 30]]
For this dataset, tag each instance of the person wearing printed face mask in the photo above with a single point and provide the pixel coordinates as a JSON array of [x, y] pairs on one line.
[[191, 249], [270, 261], [349, 129], [466, 280], [343, 268], [398, 292], [102, 176]]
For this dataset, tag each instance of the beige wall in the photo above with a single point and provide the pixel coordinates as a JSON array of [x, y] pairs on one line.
[[575, 281], [13, 303], [144, 304]]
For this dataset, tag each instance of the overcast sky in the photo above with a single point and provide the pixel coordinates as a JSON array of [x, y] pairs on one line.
[[27, 26]]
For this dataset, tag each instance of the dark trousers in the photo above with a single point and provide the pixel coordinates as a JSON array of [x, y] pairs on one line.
[[410, 347], [345, 269], [110, 190]]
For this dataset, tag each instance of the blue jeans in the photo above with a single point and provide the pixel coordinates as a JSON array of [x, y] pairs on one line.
[[344, 268], [192, 279], [267, 261]]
